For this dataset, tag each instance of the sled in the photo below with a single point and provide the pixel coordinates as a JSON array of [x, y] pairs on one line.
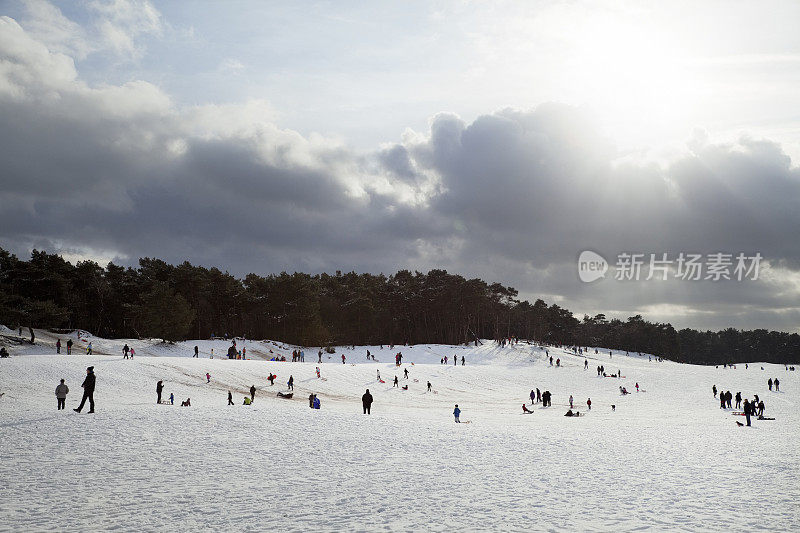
[[381, 381], [287, 395], [764, 418], [165, 402], [405, 387]]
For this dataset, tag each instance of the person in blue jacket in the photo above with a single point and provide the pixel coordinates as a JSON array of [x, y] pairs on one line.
[[457, 413], [316, 402]]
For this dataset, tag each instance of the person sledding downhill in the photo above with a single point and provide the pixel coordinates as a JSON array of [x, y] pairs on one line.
[[525, 409]]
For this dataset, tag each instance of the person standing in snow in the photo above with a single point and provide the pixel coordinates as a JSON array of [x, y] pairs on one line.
[[69, 346], [395, 382], [61, 394], [197, 352], [230, 398], [58, 346], [366, 402], [747, 410], [769, 383], [714, 390], [159, 390], [33, 337], [456, 414], [343, 359], [585, 364], [463, 361], [405, 371], [589, 403], [290, 383], [208, 377], [429, 386], [379, 375], [570, 401], [533, 396], [637, 386], [738, 400], [777, 385], [316, 404], [89, 348], [88, 390], [311, 401], [125, 350], [252, 392], [171, 398], [319, 355]]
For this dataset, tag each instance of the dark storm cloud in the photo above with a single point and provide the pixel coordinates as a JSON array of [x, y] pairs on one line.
[[512, 196]]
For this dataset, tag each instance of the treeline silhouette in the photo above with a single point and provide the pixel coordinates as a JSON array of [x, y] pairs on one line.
[[186, 301]]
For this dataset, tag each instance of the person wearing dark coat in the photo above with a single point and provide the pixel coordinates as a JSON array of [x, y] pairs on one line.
[[366, 402], [747, 410], [230, 398], [69, 346], [252, 392], [159, 389], [88, 390]]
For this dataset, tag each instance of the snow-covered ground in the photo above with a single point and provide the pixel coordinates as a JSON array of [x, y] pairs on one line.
[[665, 459]]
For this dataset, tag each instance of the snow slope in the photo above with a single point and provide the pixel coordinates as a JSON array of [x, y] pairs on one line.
[[665, 459]]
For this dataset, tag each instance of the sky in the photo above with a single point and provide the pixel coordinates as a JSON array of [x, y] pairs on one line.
[[492, 139]]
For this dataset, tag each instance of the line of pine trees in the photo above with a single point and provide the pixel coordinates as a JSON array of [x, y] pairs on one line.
[[186, 301]]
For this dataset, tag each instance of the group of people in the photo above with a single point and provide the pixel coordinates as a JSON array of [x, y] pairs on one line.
[[543, 397], [444, 360], [313, 401], [754, 407], [88, 386]]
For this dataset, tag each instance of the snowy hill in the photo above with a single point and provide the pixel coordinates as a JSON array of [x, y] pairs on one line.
[[665, 458]]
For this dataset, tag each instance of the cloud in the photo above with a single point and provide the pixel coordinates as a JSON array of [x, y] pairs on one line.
[[512, 196]]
